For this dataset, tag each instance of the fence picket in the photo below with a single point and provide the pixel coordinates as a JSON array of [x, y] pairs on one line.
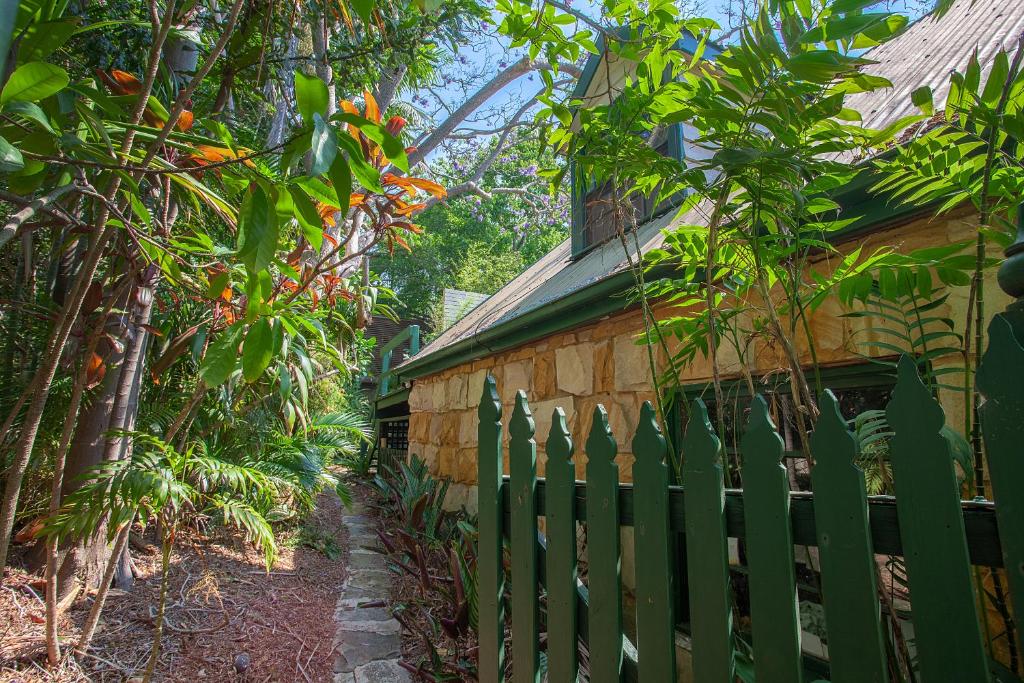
[[1000, 378], [852, 614], [523, 466], [774, 618], [707, 551], [560, 512], [604, 633], [655, 625], [490, 577], [947, 635]]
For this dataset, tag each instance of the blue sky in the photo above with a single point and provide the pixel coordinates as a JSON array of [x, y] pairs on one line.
[[477, 62]]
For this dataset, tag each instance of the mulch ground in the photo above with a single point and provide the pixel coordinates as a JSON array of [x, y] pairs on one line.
[[223, 609]]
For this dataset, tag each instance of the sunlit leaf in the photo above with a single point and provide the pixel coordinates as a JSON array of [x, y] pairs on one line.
[[33, 82]]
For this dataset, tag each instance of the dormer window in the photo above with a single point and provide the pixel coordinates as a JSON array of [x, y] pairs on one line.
[[593, 206], [593, 218]]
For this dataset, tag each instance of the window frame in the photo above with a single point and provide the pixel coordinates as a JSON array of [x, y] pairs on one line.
[[580, 189], [866, 374]]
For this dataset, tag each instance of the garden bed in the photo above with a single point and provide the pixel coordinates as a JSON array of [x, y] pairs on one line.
[[224, 612]]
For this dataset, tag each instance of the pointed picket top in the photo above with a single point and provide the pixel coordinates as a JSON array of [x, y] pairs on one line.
[[560, 514], [832, 437], [521, 426], [1001, 373], [655, 621], [559, 444], [605, 612], [649, 447], [702, 449], [775, 623], [846, 561], [490, 405], [707, 552], [600, 442], [761, 439], [946, 632], [912, 405]]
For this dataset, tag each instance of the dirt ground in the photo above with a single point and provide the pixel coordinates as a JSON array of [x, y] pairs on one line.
[[224, 612]]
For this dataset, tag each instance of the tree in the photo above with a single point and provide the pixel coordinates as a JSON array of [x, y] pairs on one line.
[[482, 238]]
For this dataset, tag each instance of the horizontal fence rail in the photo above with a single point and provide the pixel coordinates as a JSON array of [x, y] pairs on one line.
[[979, 518], [938, 537]]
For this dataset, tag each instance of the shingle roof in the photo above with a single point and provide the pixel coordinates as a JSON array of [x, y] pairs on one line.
[[924, 54]]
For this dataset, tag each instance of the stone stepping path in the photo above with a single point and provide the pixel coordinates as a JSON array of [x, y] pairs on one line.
[[368, 639]]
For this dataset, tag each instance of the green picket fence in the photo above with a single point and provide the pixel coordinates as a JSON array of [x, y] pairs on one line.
[[939, 537]]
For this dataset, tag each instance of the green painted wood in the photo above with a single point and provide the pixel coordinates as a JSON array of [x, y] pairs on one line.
[[946, 628], [852, 614], [523, 535], [775, 623], [979, 519], [490, 518], [560, 576], [655, 622], [605, 614], [707, 551], [1001, 380]]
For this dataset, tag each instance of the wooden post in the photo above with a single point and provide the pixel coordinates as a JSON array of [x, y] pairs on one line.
[[856, 649], [523, 463], [707, 550], [774, 618], [946, 628], [655, 624], [604, 634], [560, 512], [491, 578]]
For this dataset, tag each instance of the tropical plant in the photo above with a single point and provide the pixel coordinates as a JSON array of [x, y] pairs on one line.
[[171, 489]]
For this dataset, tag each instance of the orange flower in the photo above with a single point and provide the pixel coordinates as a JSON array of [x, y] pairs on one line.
[[395, 125], [208, 154], [185, 121], [372, 110], [120, 82], [410, 185]]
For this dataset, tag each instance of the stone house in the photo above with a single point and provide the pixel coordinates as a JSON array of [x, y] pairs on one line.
[[564, 332]]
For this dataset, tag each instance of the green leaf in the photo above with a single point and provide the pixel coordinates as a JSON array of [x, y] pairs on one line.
[[29, 111], [364, 8], [257, 230], [308, 217], [996, 80], [221, 357], [922, 99], [844, 6], [325, 146], [10, 157], [821, 66], [367, 175], [33, 82], [393, 148], [842, 28], [257, 350], [41, 39], [8, 15], [218, 283], [311, 96], [341, 179]]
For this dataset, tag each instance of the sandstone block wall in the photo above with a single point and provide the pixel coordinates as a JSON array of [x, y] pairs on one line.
[[602, 363]]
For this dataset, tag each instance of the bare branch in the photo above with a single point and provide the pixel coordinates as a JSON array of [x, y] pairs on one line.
[[428, 143]]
